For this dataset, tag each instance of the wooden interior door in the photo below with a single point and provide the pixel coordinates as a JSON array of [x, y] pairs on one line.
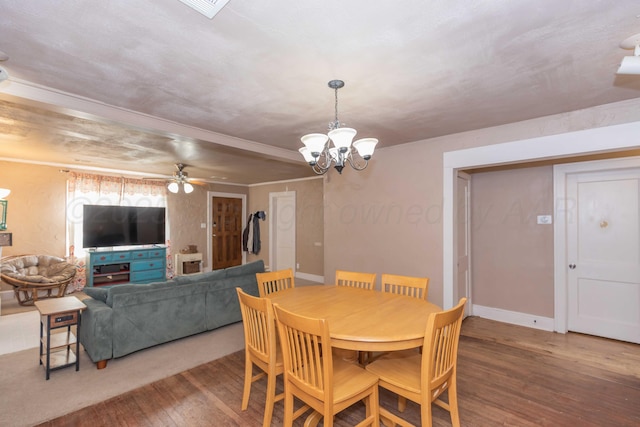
[[226, 239]]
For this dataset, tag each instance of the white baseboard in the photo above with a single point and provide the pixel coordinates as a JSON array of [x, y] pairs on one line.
[[311, 277], [514, 318]]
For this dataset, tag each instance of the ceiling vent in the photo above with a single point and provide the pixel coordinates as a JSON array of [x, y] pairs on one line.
[[208, 8]]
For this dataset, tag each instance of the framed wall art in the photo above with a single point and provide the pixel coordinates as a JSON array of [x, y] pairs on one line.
[[3, 214], [5, 239]]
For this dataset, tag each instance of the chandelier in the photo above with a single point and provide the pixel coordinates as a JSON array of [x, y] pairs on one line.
[[320, 156]]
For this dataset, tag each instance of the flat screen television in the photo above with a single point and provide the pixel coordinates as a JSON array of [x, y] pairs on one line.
[[105, 226]]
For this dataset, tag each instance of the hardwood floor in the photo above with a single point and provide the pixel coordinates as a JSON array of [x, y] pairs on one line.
[[507, 375]]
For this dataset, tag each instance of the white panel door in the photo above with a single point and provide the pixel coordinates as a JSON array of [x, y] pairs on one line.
[[283, 222], [603, 249]]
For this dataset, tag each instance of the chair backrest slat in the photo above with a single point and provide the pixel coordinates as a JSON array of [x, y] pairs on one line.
[[275, 281], [356, 279], [416, 287]]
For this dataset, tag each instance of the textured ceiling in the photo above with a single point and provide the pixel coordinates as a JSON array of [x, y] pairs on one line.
[[139, 85]]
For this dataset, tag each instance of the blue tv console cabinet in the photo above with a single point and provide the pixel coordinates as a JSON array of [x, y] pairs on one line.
[[144, 265]]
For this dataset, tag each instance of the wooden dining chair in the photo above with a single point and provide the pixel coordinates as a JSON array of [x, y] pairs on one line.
[[416, 287], [261, 349], [327, 384], [422, 378], [356, 279], [274, 281]]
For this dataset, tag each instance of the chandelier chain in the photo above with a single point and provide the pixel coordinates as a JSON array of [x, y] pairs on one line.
[[335, 124]]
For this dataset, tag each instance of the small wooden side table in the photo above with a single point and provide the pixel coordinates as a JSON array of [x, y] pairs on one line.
[[56, 348]]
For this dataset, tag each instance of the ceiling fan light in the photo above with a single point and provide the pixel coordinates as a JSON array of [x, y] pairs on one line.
[[208, 8], [173, 187], [342, 137], [188, 188], [365, 147]]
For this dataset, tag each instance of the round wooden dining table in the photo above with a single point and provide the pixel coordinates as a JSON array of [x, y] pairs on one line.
[[359, 319]]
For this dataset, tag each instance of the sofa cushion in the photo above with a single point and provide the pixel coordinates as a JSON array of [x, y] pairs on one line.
[[209, 276], [99, 294], [249, 268], [123, 289], [156, 315]]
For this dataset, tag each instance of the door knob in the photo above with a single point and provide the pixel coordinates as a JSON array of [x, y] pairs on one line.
[[572, 266]]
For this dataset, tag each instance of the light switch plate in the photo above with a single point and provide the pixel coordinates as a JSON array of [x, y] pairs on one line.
[[545, 219]]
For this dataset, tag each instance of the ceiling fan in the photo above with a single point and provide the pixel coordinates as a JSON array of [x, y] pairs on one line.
[[180, 177]]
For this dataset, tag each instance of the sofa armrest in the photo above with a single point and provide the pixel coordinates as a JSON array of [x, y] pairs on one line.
[[96, 330]]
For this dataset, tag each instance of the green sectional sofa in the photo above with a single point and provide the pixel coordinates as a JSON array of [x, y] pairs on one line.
[[122, 319]]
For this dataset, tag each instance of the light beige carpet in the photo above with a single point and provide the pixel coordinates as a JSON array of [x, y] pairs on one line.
[[9, 305], [26, 398]]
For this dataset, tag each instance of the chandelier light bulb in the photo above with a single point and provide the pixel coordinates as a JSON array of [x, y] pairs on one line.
[[308, 157], [365, 147], [315, 142], [342, 138]]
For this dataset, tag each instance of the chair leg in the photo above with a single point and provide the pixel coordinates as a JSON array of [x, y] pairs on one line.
[[373, 407], [426, 414], [453, 403], [248, 372], [288, 408], [271, 399]]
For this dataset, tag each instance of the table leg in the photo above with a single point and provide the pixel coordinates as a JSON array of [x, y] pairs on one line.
[[79, 314], [48, 347]]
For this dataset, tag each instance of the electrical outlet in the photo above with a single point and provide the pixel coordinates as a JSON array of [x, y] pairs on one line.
[[297, 266]]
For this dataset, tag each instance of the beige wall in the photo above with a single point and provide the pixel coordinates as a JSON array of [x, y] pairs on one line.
[[382, 220], [36, 208], [403, 188], [512, 255], [309, 221]]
